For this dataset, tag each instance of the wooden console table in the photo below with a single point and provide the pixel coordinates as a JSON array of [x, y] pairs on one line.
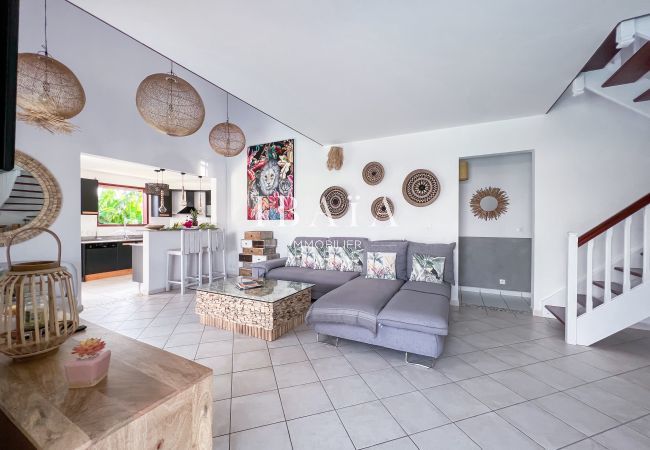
[[151, 399]]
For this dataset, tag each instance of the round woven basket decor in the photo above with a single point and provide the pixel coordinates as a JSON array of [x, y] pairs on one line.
[[47, 92], [170, 104], [334, 202], [227, 139], [373, 173], [421, 187], [382, 208]]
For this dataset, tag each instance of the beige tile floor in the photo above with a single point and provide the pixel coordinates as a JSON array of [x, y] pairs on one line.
[[506, 380]]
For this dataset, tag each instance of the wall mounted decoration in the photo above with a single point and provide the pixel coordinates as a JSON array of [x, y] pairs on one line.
[[37, 305], [35, 181], [334, 202], [170, 104], [463, 170], [335, 158], [226, 138], [421, 187], [47, 92], [270, 181], [382, 208], [489, 203], [373, 173]]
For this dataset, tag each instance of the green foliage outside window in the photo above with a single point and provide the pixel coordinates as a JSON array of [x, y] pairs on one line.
[[119, 204]]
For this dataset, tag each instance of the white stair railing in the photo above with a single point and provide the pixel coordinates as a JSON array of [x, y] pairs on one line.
[[577, 325]]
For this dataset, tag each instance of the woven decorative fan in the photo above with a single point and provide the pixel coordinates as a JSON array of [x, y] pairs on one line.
[[226, 138], [335, 158], [48, 93], [489, 203], [170, 104], [334, 202], [382, 208]]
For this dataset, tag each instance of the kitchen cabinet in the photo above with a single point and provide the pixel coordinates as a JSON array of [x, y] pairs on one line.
[[154, 202], [105, 257], [124, 256], [89, 200]]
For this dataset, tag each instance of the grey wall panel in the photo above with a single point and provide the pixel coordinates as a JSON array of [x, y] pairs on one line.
[[482, 261]]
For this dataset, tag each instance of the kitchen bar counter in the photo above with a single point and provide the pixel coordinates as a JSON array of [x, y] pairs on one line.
[[150, 399]]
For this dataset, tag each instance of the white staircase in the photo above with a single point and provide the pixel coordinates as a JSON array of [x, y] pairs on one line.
[[597, 308]]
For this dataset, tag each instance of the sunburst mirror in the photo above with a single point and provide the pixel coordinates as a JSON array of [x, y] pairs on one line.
[[489, 203]]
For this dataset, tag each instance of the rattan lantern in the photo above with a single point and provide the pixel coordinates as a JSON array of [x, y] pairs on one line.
[[48, 93], [38, 311], [226, 138], [170, 104]]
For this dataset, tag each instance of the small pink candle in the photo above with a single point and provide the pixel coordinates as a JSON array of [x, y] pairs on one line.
[[91, 365]]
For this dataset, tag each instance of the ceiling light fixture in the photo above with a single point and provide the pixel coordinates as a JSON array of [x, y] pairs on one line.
[[226, 138]]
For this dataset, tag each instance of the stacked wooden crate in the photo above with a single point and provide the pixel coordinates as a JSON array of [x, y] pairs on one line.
[[256, 246]]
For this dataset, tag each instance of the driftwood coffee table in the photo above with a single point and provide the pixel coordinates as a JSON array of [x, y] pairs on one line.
[[266, 312]]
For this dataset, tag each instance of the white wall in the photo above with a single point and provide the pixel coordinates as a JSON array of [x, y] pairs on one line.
[[590, 159], [512, 174]]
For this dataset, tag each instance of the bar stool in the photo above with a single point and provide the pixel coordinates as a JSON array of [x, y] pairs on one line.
[[216, 244], [190, 245]]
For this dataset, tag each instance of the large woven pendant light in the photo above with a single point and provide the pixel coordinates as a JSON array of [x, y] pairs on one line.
[[47, 91], [226, 138], [170, 104]]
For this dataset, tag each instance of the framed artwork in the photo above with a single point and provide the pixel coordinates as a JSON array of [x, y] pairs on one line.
[[270, 181]]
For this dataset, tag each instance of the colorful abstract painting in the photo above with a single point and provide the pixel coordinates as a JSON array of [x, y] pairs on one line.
[[270, 181]]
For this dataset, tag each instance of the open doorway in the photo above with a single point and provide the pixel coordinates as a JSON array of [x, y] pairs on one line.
[[496, 231]]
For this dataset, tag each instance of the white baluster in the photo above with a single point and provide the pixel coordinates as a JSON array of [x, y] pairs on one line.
[[626, 254], [571, 316], [608, 266], [646, 244], [589, 305]]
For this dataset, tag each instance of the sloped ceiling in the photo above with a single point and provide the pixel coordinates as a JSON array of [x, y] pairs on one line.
[[342, 70]]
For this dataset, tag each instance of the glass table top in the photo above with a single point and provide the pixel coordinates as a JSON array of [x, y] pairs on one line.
[[271, 291]]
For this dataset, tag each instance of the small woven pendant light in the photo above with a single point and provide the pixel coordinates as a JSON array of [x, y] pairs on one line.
[[226, 138], [170, 104], [47, 91]]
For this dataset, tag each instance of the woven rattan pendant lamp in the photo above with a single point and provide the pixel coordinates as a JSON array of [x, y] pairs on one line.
[[47, 91], [170, 104], [226, 138]]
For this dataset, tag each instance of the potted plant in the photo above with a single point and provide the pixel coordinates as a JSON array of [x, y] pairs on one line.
[[194, 214], [90, 365]]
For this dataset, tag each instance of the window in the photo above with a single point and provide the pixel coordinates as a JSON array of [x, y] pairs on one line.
[[121, 204]]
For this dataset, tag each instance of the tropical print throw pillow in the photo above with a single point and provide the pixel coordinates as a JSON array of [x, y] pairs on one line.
[[334, 258], [427, 268], [352, 259], [381, 265], [313, 257], [294, 255]]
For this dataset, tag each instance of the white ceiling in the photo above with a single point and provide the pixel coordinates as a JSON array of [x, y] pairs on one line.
[[344, 70]]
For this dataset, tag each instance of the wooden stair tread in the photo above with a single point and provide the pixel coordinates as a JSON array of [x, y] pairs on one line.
[[558, 311], [636, 271], [582, 300], [616, 288]]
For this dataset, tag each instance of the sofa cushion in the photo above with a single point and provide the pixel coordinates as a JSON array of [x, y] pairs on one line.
[[324, 280], [446, 250], [397, 247], [417, 311], [443, 289], [357, 302]]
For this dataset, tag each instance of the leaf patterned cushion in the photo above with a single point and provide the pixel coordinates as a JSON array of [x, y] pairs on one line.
[[381, 265], [427, 268], [313, 257], [334, 258], [294, 255], [352, 259]]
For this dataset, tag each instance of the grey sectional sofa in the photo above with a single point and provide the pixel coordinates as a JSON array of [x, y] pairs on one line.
[[409, 316]]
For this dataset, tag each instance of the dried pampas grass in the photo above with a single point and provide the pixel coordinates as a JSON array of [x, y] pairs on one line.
[[335, 158], [43, 118]]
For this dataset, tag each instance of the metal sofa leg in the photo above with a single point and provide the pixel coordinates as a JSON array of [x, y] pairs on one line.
[[324, 341], [420, 361]]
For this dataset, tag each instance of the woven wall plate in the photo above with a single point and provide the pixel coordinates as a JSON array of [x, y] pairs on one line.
[[51, 201], [382, 208], [421, 187], [334, 202], [373, 173]]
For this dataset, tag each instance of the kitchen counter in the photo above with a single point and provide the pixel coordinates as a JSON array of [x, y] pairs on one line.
[[106, 239], [150, 399]]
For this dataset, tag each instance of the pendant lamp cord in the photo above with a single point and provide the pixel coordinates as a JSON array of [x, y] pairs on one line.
[[45, 27]]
